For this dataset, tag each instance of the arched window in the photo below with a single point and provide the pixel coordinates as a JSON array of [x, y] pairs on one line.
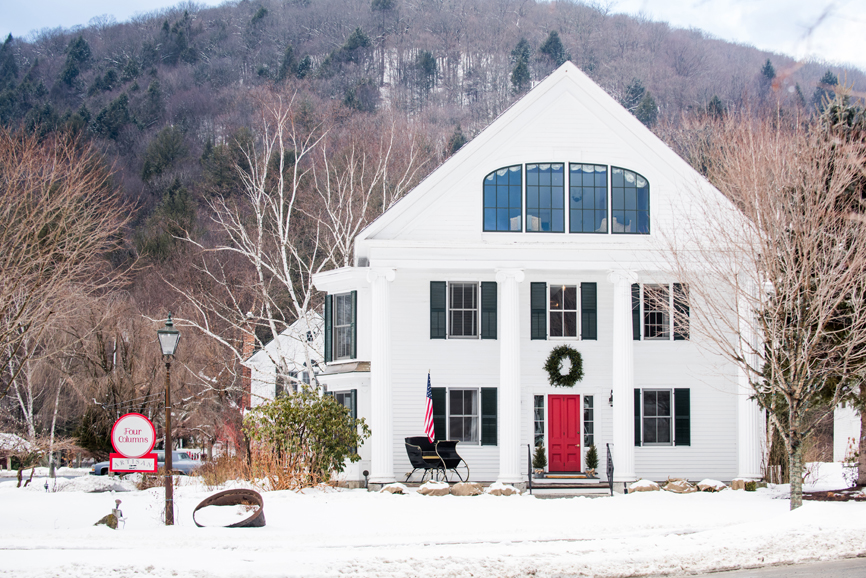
[[587, 198], [630, 202], [503, 190], [545, 196]]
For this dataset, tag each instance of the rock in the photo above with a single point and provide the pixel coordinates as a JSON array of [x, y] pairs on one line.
[[711, 485], [738, 484], [680, 487], [110, 520], [393, 489], [644, 486], [466, 489], [434, 489], [499, 489]]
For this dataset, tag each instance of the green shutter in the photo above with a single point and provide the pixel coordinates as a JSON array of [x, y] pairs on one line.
[[682, 417], [488, 310], [635, 312], [329, 323], [438, 300], [354, 393], [637, 429], [538, 310], [439, 418], [681, 312], [489, 410], [354, 325], [588, 311]]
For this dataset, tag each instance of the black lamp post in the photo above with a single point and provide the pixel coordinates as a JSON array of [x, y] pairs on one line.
[[168, 338]]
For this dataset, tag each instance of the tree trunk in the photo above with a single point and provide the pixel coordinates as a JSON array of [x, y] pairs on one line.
[[51, 472], [861, 476], [796, 471]]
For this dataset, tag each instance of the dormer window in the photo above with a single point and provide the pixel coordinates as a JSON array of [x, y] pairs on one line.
[[503, 191]]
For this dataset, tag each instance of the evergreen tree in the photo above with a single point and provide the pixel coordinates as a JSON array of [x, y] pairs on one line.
[[153, 106], [634, 93], [8, 65], [163, 151], [174, 217], [288, 66], [78, 57], [768, 72], [113, 118], [520, 80], [554, 49], [521, 51], [425, 70], [799, 96], [455, 141], [647, 111], [715, 108], [825, 91]]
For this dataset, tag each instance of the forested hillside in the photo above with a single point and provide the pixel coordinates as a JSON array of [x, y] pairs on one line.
[[376, 94]]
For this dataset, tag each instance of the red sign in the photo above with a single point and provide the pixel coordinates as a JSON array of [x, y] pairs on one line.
[[133, 436], [119, 463]]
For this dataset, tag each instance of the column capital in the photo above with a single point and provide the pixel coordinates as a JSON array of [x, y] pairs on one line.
[[387, 273], [616, 276], [504, 274]]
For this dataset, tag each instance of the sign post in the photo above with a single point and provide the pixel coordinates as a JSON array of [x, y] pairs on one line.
[[133, 437]]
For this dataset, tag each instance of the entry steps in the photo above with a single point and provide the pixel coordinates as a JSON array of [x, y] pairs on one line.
[[569, 484]]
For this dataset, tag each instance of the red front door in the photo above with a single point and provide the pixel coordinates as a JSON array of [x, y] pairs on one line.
[[564, 432]]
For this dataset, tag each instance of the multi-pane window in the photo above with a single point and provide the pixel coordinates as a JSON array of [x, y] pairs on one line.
[[563, 311], [343, 326], [463, 415], [538, 419], [503, 190], [348, 399], [463, 309], [587, 198], [545, 198], [588, 422], [656, 416], [656, 312], [629, 202]]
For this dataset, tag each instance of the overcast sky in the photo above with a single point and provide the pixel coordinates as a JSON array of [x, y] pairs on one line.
[[831, 30]]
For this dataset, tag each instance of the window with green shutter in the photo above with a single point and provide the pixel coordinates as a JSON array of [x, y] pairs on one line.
[[488, 310], [681, 312], [682, 417], [438, 306], [637, 427], [489, 410], [538, 310], [588, 311], [440, 413], [328, 324]]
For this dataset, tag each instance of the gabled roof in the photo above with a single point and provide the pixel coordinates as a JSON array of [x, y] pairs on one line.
[[566, 89]]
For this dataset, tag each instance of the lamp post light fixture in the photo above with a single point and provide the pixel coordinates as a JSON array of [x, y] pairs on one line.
[[168, 338]]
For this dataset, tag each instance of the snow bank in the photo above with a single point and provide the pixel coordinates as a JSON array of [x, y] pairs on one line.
[[333, 532]]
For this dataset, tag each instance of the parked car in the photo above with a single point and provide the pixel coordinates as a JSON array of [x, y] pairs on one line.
[[180, 462]]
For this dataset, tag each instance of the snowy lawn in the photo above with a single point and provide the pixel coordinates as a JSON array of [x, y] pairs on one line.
[[356, 533]]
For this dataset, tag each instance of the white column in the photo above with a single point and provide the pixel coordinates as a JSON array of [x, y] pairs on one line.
[[509, 375], [623, 377], [381, 411], [750, 418]]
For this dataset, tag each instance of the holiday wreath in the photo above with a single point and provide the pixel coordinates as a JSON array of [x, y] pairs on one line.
[[553, 367]]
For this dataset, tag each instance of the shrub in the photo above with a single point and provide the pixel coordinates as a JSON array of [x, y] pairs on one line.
[[218, 471], [539, 460], [299, 439], [592, 458]]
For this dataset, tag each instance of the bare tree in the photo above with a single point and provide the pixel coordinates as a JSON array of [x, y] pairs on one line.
[[59, 218], [777, 268], [267, 233], [361, 169]]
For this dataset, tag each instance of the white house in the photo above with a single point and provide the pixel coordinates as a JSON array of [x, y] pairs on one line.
[[540, 232], [282, 364]]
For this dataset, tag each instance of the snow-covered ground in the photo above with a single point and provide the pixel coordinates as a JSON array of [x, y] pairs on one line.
[[356, 533]]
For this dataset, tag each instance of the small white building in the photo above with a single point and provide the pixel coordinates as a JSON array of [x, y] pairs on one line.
[[281, 365], [540, 232]]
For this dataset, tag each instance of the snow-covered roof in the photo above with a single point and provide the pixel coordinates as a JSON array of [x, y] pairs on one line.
[[290, 346], [11, 443]]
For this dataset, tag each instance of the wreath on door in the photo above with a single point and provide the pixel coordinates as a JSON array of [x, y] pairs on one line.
[[553, 366]]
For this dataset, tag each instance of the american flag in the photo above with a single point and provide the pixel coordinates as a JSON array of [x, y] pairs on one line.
[[428, 413]]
